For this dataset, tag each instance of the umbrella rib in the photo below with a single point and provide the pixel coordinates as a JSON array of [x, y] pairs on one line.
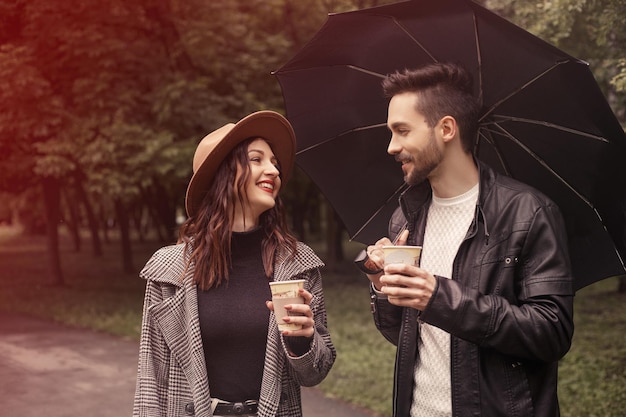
[[356, 129], [495, 147], [399, 189], [514, 92], [543, 163], [501, 118], [479, 61], [363, 70], [349, 66], [402, 28]]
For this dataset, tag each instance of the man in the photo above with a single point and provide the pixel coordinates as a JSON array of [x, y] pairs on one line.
[[481, 324]]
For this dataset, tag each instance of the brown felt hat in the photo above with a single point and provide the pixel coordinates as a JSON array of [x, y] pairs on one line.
[[215, 146]]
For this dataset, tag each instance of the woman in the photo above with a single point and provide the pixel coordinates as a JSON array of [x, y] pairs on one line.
[[209, 341]]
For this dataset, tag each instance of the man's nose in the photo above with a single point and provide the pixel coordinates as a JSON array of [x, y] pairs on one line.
[[394, 147]]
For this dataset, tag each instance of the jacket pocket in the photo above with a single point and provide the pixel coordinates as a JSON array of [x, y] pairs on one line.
[[518, 398]]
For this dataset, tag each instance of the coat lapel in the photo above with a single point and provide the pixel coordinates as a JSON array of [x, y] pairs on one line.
[[177, 317], [285, 268]]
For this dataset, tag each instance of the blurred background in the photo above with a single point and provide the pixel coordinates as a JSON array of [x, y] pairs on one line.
[[102, 104]]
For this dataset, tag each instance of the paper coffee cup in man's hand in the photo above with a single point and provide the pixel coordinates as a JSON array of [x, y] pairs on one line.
[[283, 293], [409, 255]]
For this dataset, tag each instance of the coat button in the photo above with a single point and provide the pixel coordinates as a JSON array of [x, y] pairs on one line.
[[189, 409]]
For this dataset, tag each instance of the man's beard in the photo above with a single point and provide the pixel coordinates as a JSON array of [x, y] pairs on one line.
[[424, 163]]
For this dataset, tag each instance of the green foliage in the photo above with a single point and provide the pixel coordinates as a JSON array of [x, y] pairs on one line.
[[619, 81], [114, 94], [91, 79], [591, 30]]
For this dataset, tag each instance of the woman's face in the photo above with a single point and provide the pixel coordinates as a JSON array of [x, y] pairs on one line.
[[264, 181]]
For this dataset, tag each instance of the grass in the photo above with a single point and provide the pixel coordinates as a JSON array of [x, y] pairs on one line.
[[363, 371], [98, 295], [592, 376]]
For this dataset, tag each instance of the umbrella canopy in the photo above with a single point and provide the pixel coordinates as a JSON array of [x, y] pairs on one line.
[[544, 119]]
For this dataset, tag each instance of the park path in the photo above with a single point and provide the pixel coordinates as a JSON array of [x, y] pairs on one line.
[[60, 371]]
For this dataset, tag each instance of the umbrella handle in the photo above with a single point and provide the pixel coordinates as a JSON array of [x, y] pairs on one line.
[[362, 260]]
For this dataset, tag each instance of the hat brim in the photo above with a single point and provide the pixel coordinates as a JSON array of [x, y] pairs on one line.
[[269, 125]]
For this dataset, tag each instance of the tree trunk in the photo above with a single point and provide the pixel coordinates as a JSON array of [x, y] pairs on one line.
[[334, 254], [137, 217], [104, 223], [96, 245], [166, 211], [151, 202], [313, 212], [338, 237], [124, 225], [52, 198], [73, 220]]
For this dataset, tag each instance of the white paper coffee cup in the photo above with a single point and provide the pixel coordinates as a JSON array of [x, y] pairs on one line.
[[409, 255], [283, 293]]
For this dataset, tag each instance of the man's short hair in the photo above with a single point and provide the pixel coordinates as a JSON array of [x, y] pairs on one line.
[[443, 89]]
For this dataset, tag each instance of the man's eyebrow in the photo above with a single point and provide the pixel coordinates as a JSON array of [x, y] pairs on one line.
[[396, 125]]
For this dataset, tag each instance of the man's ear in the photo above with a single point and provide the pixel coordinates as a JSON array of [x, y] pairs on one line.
[[448, 128]]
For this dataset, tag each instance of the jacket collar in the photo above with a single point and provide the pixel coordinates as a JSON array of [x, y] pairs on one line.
[[168, 266], [418, 197]]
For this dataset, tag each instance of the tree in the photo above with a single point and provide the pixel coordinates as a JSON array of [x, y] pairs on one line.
[[108, 98]]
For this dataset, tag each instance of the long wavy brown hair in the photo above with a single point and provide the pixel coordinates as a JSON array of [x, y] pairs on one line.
[[209, 231]]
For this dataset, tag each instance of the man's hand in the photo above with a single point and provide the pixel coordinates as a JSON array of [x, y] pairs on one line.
[[376, 256], [407, 285]]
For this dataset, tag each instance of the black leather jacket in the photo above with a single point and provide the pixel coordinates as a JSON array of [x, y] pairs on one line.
[[508, 306]]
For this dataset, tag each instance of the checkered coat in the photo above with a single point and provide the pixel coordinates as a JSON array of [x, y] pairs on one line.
[[172, 379]]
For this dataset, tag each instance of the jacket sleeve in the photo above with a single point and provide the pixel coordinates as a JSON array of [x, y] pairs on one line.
[[312, 367], [387, 317], [535, 324]]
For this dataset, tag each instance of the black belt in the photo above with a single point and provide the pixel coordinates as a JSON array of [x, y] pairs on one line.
[[236, 409]]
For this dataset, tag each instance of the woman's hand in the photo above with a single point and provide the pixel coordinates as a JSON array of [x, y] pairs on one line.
[[305, 319]]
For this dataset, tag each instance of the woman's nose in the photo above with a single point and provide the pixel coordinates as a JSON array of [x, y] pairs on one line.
[[271, 169]]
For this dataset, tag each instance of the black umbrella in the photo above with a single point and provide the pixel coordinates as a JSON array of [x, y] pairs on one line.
[[544, 119]]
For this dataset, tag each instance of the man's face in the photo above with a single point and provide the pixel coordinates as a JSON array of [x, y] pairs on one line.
[[413, 142]]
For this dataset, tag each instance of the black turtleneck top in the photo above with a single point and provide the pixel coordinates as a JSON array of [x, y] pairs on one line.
[[233, 323]]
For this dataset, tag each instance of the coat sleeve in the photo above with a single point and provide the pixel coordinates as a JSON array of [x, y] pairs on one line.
[[538, 323], [312, 367], [152, 373]]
